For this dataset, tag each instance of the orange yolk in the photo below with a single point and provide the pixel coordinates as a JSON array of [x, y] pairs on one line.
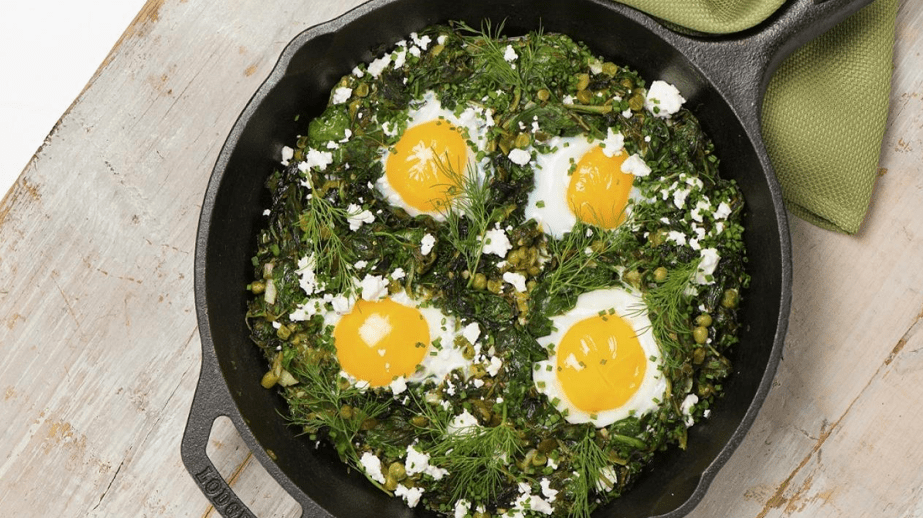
[[379, 341], [416, 168], [598, 190], [600, 363]]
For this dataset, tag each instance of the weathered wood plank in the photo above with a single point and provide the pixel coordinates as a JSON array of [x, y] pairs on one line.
[[99, 352]]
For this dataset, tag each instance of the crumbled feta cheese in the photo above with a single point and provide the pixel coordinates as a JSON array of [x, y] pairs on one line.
[[677, 237], [414, 51], [547, 492], [267, 212], [627, 113], [635, 165], [427, 244], [378, 66], [496, 242], [389, 128], [357, 72], [614, 143], [723, 211], [418, 462], [679, 197], [518, 280], [472, 332], [596, 66], [398, 274], [700, 206], [663, 99], [341, 304], [568, 99], [373, 287], [461, 506], [423, 42], [494, 367], [374, 329], [441, 39], [356, 216], [411, 495], [399, 385], [520, 156], [510, 54], [461, 423], [686, 407], [360, 265], [606, 479], [342, 94], [314, 158], [304, 311], [287, 154], [372, 466], [307, 278], [400, 57], [706, 413], [707, 266]]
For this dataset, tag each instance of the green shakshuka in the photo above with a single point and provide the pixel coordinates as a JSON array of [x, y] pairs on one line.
[[498, 274]]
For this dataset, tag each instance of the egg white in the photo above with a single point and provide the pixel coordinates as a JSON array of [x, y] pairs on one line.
[[630, 307], [474, 124], [547, 203]]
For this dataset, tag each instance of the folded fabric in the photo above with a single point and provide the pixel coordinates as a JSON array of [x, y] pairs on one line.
[[825, 111]]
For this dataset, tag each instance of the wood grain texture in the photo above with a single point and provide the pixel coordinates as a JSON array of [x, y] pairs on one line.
[[99, 352]]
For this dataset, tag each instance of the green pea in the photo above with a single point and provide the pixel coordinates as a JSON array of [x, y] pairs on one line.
[[283, 332], [522, 141], [700, 334], [636, 102], [397, 471], [480, 281], [698, 355], [610, 69], [703, 320], [583, 81], [660, 274], [730, 298], [257, 287], [585, 96], [543, 94], [362, 90]]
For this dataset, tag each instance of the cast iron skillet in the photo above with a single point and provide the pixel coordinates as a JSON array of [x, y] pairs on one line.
[[723, 79]]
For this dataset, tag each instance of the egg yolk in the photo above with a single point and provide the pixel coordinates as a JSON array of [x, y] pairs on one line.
[[379, 341], [600, 363], [598, 190], [417, 166]]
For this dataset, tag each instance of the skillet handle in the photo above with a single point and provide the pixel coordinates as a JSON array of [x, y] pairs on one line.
[[208, 404], [740, 65]]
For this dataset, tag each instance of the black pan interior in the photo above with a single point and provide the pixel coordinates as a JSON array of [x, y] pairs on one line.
[[269, 123]]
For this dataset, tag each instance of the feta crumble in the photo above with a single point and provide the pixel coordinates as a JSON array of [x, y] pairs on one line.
[[707, 266], [373, 287], [663, 99], [287, 154], [510, 54], [372, 466], [614, 144], [686, 407], [496, 242], [520, 156], [342, 94], [356, 216], [518, 280], [635, 165], [427, 244]]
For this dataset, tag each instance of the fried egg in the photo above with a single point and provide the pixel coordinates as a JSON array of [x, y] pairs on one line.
[[603, 363], [379, 341], [584, 180], [423, 169]]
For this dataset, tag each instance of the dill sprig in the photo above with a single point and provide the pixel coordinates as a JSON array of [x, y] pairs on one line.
[[578, 256], [476, 457], [318, 225], [490, 55], [667, 310], [321, 402], [467, 198], [590, 462]]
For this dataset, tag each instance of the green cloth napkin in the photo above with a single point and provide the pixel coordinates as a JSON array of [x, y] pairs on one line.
[[826, 107]]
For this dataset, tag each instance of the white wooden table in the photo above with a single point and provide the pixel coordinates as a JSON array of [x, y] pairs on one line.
[[99, 351]]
